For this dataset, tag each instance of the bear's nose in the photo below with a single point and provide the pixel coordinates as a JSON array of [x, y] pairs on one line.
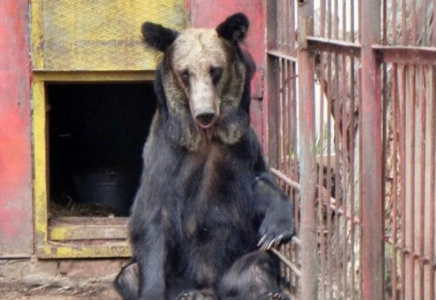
[[205, 120]]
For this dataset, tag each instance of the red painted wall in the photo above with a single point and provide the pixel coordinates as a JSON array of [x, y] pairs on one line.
[[210, 13], [16, 230]]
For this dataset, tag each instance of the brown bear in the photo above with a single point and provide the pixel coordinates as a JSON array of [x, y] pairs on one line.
[[207, 209]]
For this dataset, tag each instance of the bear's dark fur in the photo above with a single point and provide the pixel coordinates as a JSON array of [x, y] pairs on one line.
[[206, 202]]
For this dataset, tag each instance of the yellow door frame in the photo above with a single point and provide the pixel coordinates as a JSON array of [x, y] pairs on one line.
[[64, 241]]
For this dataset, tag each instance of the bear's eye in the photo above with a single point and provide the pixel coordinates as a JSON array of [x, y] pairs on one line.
[[184, 75], [216, 73]]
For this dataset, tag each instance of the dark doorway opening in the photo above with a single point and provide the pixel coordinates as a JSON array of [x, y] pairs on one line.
[[96, 136]]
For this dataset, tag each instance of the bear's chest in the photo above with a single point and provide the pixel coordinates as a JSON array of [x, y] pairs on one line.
[[216, 179], [217, 197]]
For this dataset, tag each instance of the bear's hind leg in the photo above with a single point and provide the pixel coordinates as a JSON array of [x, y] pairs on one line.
[[127, 282], [197, 295], [253, 276]]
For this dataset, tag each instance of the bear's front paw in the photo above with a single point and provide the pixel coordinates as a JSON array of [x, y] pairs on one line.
[[275, 230]]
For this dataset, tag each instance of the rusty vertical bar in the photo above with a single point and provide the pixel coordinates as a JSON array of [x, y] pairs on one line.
[[279, 22], [414, 23], [336, 17], [286, 119], [346, 170], [335, 86], [270, 111], [433, 164], [372, 203], [385, 100], [352, 24], [359, 74], [394, 21], [411, 274], [395, 110], [322, 19], [329, 176], [292, 23], [287, 31], [321, 195], [285, 137], [344, 20], [434, 31], [309, 266], [353, 86], [432, 180], [403, 182], [422, 183], [283, 133], [281, 111], [282, 26], [294, 88], [330, 280], [404, 31], [289, 109], [329, 18], [359, 20], [385, 125]]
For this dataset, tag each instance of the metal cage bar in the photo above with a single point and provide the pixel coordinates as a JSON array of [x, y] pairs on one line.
[[309, 265], [372, 202], [365, 147]]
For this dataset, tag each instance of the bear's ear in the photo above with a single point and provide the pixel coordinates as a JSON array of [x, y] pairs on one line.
[[157, 36], [234, 28]]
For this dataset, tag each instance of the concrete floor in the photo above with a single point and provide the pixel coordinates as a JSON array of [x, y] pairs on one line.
[[15, 291]]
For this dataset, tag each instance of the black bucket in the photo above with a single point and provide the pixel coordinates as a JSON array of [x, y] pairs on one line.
[[110, 186]]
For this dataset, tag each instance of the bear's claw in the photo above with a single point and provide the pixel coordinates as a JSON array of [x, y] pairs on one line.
[[277, 296], [267, 241]]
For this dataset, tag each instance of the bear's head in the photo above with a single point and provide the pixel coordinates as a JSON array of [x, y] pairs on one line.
[[203, 82]]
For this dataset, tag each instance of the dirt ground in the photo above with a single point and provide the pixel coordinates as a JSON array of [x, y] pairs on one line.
[[47, 292]]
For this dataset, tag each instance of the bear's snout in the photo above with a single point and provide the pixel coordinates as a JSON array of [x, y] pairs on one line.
[[204, 104], [205, 119]]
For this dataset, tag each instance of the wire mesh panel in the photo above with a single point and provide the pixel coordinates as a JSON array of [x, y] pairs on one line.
[[100, 35]]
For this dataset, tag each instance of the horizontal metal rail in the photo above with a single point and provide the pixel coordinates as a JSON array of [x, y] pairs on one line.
[[332, 203], [388, 54], [280, 54], [288, 263], [286, 179], [407, 54], [336, 46], [426, 260]]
